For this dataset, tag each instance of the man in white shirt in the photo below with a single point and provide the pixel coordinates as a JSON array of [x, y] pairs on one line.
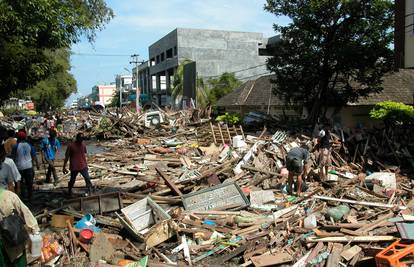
[[9, 175], [24, 154]]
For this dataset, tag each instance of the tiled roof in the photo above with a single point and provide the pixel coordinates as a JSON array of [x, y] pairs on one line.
[[398, 86]]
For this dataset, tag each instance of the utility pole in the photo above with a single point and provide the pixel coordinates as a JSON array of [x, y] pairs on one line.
[[138, 90]]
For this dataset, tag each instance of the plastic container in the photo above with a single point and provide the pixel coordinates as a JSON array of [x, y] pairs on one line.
[[85, 236], [36, 244], [310, 221], [337, 213]]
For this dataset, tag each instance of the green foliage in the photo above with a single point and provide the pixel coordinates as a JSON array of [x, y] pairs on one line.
[[178, 85], [333, 51], [229, 118], [393, 112], [221, 86], [52, 92], [30, 29], [115, 101]]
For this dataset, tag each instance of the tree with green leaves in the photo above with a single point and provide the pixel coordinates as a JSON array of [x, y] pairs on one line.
[[52, 92], [178, 86], [393, 113], [31, 28], [221, 86], [332, 52]]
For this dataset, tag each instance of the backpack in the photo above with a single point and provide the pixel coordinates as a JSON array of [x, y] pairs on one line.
[[12, 229]]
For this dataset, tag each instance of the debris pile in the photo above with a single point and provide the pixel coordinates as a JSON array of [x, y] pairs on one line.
[[194, 193]]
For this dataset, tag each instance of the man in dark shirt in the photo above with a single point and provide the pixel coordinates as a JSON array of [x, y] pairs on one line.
[[324, 152], [76, 153], [296, 163]]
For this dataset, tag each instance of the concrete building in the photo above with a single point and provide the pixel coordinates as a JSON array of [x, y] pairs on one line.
[[213, 51], [103, 94], [124, 85], [404, 33]]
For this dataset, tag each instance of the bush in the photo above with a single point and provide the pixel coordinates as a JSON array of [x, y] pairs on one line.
[[393, 112], [229, 118]]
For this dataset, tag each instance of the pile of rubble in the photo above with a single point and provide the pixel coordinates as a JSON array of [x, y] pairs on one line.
[[193, 193]]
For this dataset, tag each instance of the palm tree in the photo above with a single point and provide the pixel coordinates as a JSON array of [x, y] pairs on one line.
[[178, 86]]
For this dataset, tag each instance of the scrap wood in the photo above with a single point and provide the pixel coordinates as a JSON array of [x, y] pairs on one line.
[[335, 256], [351, 239], [271, 259], [351, 252], [168, 181], [364, 203]]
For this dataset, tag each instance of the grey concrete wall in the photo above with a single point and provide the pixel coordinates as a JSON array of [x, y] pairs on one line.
[[222, 51], [167, 42]]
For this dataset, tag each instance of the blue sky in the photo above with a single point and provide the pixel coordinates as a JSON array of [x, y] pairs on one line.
[[137, 24]]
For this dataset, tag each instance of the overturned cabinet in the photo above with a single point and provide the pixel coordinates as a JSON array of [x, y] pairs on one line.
[[147, 221]]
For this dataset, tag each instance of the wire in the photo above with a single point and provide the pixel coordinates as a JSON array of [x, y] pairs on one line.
[[98, 55], [260, 74], [231, 72]]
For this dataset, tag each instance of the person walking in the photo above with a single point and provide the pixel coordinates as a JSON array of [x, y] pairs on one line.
[[9, 175], [76, 153], [297, 165], [50, 147], [10, 203], [24, 154], [324, 152], [10, 142]]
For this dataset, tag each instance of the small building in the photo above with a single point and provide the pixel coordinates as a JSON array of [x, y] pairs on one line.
[[103, 94], [256, 95]]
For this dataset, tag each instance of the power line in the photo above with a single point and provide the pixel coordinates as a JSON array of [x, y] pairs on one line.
[[260, 74], [232, 72], [98, 55]]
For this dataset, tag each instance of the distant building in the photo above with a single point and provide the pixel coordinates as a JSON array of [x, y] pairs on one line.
[[16, 103], [74, 104], [103, 94], [404, 33], [214, 53], [124, 84]]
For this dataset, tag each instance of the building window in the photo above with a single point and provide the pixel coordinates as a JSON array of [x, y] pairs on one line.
[[152, 62], [157, 59], [163, 82], [169, 53], [175, 51], [162, 57], [154, 82]]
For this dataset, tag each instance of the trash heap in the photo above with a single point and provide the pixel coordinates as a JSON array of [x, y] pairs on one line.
[[211, 195]]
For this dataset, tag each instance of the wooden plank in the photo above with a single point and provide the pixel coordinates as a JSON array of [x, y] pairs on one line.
[[363, 203], [271, 260], [168, 182], [375, 224], [241, 130], [228, 132], [351, 252], [221, 133], [351, 239], [335, 256], [213, 133]]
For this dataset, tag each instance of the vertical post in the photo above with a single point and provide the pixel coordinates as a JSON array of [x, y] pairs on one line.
[[138, 90]]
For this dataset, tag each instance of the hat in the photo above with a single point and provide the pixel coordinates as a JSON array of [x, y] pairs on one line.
[[21, 135]]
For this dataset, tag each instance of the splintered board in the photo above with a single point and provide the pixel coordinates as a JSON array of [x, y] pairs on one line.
[[220, 197]]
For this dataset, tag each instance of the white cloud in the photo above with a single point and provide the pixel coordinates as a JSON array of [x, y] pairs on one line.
[[163, 16]]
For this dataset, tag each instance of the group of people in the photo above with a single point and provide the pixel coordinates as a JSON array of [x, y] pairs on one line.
[[18, 158], [298, 160]]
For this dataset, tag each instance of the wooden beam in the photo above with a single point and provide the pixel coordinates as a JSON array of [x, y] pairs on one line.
[[168, 182], [351, 239], [363, 203]]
